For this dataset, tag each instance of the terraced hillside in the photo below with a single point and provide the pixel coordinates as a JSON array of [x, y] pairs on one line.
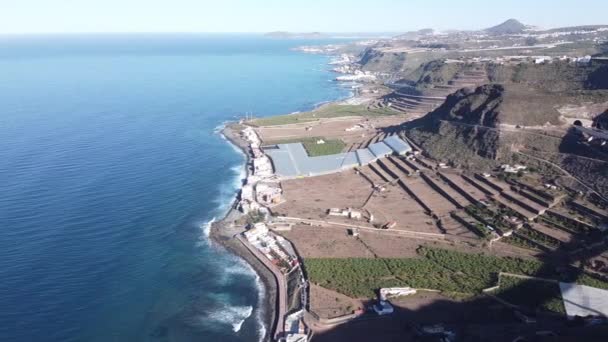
[[435, 81]]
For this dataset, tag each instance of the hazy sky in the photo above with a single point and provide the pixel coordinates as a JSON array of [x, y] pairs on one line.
[[72, 16]]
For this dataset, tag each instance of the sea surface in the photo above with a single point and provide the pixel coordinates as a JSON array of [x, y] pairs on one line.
[[111, 169]]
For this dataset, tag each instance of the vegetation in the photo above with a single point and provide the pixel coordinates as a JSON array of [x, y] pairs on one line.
[[519, 242], [330, 146], [532, 294], [330, 111], [494, 218], [437, 269], [570, 226], [255, 216], [482, 231], [540, 238]]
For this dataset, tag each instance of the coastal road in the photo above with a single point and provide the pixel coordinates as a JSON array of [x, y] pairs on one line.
[[281, 286]]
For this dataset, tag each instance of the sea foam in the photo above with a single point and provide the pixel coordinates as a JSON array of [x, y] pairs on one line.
[[232, 315]]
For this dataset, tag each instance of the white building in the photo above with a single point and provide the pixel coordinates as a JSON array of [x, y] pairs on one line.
[[512, 169], [262, 166], [268, 193], [258, 231], [388, 292], [247, 192]]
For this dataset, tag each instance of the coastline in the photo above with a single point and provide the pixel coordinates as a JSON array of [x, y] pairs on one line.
[[223, 232]]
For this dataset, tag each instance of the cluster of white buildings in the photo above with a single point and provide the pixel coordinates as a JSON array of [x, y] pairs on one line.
[[582, 60], [558, 34], [268, 194], [262, 188], [512, 169], [272, 246], [348, 212], [357, 76]]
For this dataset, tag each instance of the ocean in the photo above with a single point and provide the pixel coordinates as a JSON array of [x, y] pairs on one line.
[[111, 168]]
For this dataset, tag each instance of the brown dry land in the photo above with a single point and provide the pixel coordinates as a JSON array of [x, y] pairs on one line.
[[335, 242], [329, 304], [394, 204], [311, 197], [389, 189], [321, 242]]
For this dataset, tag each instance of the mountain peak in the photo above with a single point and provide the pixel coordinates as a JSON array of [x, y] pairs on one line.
[[510, 26]]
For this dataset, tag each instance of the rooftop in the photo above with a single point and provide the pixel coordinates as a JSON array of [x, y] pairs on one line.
[[581, 300], [292, 160]]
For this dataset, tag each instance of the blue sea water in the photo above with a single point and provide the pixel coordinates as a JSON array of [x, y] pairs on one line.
[[110, 169]]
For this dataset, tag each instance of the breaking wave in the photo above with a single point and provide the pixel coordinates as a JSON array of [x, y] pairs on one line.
[[233, 267], [206, 227], [232, 315]]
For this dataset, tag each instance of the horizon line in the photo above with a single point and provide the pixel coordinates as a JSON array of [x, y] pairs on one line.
[[196, 32]]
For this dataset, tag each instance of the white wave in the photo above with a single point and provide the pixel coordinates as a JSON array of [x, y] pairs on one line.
[[261, 329], [240, 267], [259, 315], [206, 227], [219, 128], [232, 315], [228, 191], [261, 290], [234, 268]]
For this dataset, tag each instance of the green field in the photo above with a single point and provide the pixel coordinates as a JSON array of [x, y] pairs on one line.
[[331, 146], [330, 111], [447, 271], [531, 294]]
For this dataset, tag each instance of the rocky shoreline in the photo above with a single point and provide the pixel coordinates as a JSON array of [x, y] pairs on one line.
[[223, 232]]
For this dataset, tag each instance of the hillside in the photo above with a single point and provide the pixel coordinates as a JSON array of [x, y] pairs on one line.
[[522, 110], [511, 26], [467, 126]]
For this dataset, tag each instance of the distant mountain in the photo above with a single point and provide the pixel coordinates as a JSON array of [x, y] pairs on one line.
[[413, 35], [294, 35], [511, 26]]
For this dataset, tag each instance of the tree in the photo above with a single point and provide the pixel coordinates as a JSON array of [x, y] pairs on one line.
[[531, 41]]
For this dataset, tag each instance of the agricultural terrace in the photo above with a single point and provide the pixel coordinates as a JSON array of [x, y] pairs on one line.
[[450, 272], [325, 112], [329, 146]]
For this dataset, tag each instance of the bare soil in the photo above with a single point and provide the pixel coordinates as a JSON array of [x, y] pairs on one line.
[[434, 200], [311, 197], [329, 304], [317, 242], [395, 204]]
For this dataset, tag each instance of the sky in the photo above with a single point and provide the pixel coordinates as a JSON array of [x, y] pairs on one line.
[[81, 16]]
